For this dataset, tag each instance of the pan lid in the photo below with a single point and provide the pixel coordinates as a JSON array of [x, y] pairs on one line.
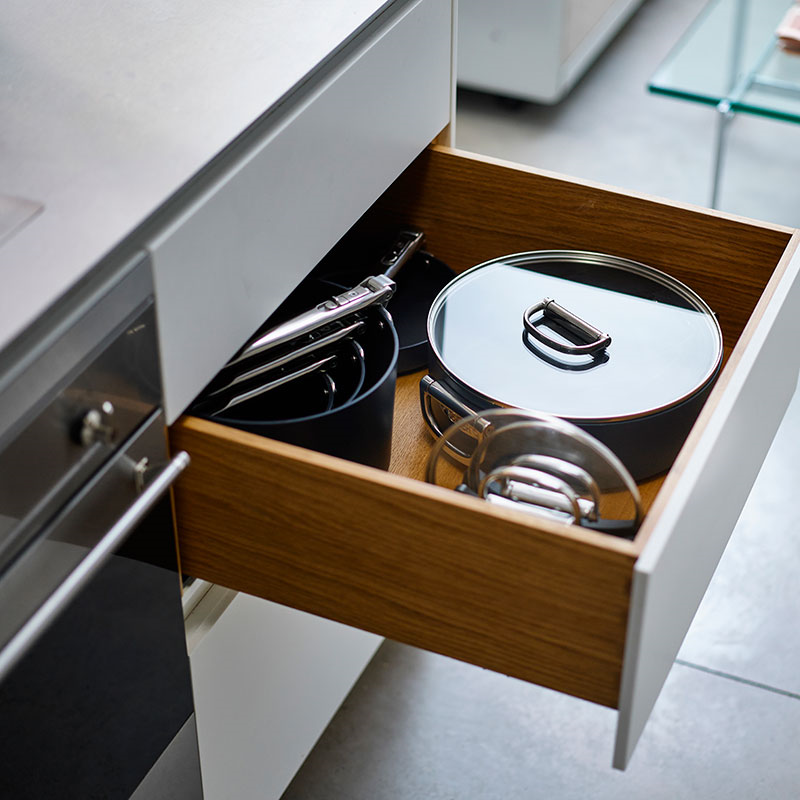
[[585, 336]]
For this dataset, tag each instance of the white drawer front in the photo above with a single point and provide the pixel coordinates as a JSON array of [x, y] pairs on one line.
[[685, 546], [230, 258]]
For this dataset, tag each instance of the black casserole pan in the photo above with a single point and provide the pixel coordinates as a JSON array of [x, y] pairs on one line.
[[623, 350]]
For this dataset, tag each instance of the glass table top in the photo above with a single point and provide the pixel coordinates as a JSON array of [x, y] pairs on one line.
[[731, 53]]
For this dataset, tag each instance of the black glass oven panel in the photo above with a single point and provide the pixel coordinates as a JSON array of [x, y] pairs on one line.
[[91, 707]]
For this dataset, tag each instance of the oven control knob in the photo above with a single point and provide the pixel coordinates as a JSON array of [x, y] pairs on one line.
[[96, 427]]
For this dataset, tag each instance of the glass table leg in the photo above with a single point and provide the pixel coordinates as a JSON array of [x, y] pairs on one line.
[[724, 118]]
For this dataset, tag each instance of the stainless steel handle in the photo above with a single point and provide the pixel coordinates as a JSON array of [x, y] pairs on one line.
[[225, 404], [430, 392], [521, 484], [337, 336], [583, 484], [594, 339], [38, 622], [372, 290]]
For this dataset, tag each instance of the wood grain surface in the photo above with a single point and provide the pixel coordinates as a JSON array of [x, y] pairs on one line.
[[416, 563], [424, 565]]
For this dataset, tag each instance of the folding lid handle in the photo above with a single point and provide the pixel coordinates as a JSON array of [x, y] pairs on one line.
[[592, 338]]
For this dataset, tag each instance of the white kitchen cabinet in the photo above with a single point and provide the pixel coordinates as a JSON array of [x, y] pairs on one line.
[[534, 50], [267, 679]]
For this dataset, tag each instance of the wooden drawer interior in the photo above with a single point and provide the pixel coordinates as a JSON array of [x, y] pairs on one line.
[[423, 565]]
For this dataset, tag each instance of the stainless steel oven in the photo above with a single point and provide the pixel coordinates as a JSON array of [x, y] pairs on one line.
[[95, 688]]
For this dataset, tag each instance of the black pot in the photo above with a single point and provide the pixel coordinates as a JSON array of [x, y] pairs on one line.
[[622, 350], [338, 421]]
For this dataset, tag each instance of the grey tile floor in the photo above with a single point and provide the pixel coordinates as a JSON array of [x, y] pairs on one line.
[[727, 724]]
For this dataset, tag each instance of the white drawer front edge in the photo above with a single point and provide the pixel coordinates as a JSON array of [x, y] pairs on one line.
[[679, 559], [240, 247]]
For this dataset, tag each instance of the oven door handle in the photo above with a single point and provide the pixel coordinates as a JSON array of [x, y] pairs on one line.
[[36, 624]]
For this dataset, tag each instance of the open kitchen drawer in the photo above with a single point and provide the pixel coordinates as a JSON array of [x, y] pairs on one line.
[[584, 613]]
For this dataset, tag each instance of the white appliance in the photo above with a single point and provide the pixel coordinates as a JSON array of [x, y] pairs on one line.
[[534, 50]]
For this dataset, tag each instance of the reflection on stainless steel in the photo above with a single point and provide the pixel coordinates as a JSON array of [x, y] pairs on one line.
[[287, 358], [307, 369], [592, 339], [441, 409], [97, 425], [578, 478], [534, 487]]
